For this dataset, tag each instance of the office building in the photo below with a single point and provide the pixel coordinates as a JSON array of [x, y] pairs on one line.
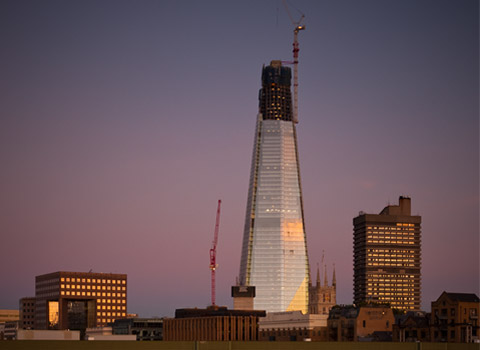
[[142, 328], [27, 313], [387, 257], [274, 255], [79, 300], [212, 324]]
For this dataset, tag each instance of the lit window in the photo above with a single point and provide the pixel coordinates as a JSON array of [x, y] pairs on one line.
[[109, 314], [114, 288], [103, 287], [88, 280], [88, 294], [88, 287], [104, 301], [103, 281], [83, 293], [62, 293], [94, 294], [62, 286], [73, 293], [123, 313], [103, 307], [94, 280], [68, 293], [108, 307], [108, 294], [83, 280], [123, 282], [62, 279], [109, 281], [99, 301], [103, 294]]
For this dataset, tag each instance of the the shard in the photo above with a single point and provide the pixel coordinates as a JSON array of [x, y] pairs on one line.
[[274, 252]]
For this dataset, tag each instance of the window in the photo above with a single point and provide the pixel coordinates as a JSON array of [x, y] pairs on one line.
[[452, 312], [364, 323]]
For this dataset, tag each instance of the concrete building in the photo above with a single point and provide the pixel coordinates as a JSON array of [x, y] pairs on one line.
[[243, 297], [79, 300], [274, 253], [27, 313], [212, 324], [293, 326], [454, 318], [387, 257], [142, 328], [32, 334], [322, 297], [365, 323]]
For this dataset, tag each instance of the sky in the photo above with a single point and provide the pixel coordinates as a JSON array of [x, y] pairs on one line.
[[123, 122]]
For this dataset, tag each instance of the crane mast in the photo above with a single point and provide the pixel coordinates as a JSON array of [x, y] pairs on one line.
[[213, 252], [298, 27]]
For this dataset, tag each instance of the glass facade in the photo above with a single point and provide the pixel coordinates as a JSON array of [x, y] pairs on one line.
[[274, 253]]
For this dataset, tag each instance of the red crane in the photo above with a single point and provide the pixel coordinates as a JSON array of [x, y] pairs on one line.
[[213, 252]]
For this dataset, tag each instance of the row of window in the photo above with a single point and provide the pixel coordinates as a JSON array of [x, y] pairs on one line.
[[113, 307], [111, 314], [110, 301], [92, 280], [93, 294], [87, 287]]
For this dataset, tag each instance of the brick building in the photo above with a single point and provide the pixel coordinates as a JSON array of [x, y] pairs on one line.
[[214, 324]]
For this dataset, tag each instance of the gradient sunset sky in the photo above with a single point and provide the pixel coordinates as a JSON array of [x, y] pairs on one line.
[[123, 123]]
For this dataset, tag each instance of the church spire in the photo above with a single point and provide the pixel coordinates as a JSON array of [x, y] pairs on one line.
[[318, 276], [325, 283], [334, 279]]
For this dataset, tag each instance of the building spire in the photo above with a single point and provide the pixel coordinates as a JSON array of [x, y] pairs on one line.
[[334, 279], [318, 276]]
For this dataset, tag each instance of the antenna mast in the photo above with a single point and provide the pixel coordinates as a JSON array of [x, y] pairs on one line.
[[298, 27], [213, 252]]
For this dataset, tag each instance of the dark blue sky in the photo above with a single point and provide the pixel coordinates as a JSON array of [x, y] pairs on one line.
[[123, 122]]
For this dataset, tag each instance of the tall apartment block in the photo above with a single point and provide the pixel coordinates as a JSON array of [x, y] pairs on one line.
[[274, 253], [79, 300], [387, 257]]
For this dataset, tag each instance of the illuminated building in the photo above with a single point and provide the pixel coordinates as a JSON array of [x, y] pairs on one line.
[[79, 300], [387, 257], [274, 253]]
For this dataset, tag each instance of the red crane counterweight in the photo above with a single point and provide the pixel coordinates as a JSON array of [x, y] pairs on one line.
[[213, 251]]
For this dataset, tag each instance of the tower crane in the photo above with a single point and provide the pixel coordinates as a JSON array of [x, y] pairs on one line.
[[298, 26], [213, 252]]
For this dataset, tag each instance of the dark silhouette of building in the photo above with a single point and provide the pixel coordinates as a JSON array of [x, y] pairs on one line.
[[414, 326], [143, 328], [387, 257]]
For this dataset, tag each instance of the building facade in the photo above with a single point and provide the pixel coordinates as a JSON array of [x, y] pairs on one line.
[[454, 318], [212, 324], [274, 255], [27, 313], [293, 326], [322, 297], [367, 323], [142, 328], [79, 300], [387, 248]]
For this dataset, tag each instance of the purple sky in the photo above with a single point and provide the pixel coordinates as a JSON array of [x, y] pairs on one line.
[[123, 123]]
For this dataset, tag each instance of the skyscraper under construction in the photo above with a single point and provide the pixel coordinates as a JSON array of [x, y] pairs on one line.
[[274, 253]]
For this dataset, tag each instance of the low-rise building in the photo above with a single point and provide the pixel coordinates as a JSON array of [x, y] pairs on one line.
[[212, 324], [141, 328], [364, 323], [454, 318], [293, 326], [9, 315], [414, 326]]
